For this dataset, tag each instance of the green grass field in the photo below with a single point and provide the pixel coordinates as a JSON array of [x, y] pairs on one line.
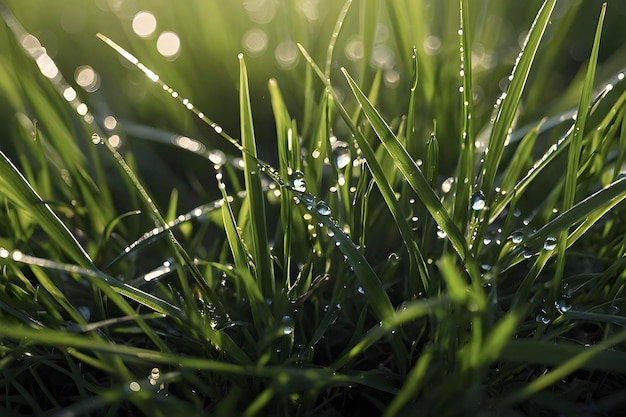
[[312, 208]]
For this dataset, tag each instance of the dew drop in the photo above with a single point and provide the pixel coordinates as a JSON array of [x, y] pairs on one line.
[[297, 181], [322, 208], [341, 154], [478, 201], [96, 139], [446, 186], [307, 199], [17, 255], [440, 233], [563, 304], [527, 253], [549, 243], [542, 318], [517, 237], [287, 325]]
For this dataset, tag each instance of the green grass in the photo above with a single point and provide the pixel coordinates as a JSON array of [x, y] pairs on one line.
[[367, 215]]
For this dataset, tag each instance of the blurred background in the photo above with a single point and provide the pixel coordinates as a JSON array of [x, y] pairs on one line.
[[193, 46]]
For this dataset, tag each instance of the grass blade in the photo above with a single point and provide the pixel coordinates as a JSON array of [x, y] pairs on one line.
[[256, 225], [575, 147], [17, 189]]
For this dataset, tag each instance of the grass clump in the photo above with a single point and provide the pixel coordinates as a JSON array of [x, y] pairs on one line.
[[385, 244]]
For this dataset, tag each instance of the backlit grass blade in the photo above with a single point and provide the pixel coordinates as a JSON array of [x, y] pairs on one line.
[[257, 225], [411, 140], [415, 178], [17, 189], [506, 112], [584, 214], [465, 166], [335, 34], [149, 300], [575, 147], [241, 257]]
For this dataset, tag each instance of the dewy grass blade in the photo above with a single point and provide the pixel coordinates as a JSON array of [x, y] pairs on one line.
[[133, 293], [585, 213], [465, 176], [254, 189], [241, 257], [575, 148], [411, 140], [334, 36], [17, 189], [288, 159], [416, 179], [507, 110]]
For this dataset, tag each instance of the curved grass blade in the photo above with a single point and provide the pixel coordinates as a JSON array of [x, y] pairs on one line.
[[415, 178], [148, 300], [18, 190], [410, 312], [158, 232], [585, 214], [595, 357], [334, 36]]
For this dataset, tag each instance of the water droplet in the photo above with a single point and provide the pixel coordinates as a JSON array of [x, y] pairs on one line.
[[96, 139], [361, 290], [446, 186], [297, 181], [307, 199], [17, 255], [563, 304], [440, 233], [517, 236], [542, 318], [287, 325], [550, 243], [527, 253], [341, 154], [322, 208], [478, 201]]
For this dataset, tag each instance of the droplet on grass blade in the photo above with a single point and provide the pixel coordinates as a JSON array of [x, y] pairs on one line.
[[563, 304], [341, 154], [297, 181], [549, 243], [478, 201], [517, 237], [322, 208]]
